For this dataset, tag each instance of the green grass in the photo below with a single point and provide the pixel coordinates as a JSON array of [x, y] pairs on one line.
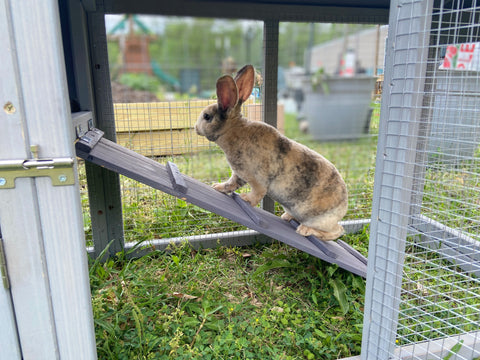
[[150, 214], [267, 301], [261, 302]]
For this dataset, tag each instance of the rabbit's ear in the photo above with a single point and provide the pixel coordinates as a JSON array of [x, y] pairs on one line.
[[245, 79], [227, 93]]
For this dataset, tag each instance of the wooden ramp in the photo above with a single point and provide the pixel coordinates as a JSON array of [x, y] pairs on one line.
[[94, 148]]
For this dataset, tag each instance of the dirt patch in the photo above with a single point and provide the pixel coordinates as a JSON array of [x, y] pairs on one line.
[[125, 94]]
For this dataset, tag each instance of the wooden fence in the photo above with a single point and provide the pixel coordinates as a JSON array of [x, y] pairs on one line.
[[167, 128]]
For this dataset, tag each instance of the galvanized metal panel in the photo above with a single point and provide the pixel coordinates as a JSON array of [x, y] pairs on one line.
[[8, 331], [41, 224], [401, 100], [20, 224]]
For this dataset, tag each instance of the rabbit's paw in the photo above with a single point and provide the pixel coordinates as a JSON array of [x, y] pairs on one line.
[[286, 216], [250, 198], [304, 230], [222, 187], [322, 235]]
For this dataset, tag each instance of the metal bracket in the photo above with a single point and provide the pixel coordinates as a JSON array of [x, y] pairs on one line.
[[60, 170], [82, 122]]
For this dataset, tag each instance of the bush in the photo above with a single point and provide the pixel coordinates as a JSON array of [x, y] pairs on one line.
[[140, 82]]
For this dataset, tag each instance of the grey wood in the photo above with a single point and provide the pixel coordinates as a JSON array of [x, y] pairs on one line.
[[176, 177], [126, 162], [345, 11], [270, 78], [104, 192], [247, 209]]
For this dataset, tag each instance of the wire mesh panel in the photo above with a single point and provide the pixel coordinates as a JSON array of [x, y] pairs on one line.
[[423, 287], [157, 96], [158, 92]]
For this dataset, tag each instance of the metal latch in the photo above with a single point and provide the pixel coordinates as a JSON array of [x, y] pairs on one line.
[[60, 170]]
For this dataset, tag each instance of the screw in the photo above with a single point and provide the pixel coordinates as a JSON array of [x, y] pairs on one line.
[[3, 181], [62, 178], [9, 108]]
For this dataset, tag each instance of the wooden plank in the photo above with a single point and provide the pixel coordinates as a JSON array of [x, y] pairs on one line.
[[119, 159], [247, 208], [167, 128], [169, 115], [104, 192], [158, 115], [176, 177], [373, 12], [159, 143]]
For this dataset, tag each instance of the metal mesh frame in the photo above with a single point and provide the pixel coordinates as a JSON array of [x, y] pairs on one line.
[[179, 221], [423, 287]]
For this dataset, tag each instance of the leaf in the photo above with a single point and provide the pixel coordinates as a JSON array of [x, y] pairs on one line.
[[210, 312], [274, 264], [325, 88], [184, 296], [176, 259], [358, 283], [339, 291], [320, 333], [331, 269], [455, 349]]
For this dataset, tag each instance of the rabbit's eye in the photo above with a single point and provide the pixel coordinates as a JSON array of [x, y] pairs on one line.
[[207, 117]]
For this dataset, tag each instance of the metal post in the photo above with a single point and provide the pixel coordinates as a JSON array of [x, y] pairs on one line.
[[270, 78], [103, 185], [401, 108]]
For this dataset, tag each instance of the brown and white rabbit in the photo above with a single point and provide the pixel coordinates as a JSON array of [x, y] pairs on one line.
[[308, 186]]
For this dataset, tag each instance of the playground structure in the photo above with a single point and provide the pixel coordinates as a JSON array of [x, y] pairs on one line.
[[45, 301], [134, 49]]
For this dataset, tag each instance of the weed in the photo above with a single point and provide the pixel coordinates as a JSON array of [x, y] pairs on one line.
[[225, 303]]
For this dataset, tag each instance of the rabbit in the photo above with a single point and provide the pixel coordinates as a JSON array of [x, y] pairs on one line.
[[307, 185]]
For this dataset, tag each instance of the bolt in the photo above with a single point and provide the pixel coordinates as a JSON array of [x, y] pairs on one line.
[[62, 178], [3, 181], [9, 108]]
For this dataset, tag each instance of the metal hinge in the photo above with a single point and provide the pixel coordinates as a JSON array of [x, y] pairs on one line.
[[3, 265], [60, 170]]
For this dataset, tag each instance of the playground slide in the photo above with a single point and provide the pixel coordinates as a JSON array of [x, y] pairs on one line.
[[162, 75]]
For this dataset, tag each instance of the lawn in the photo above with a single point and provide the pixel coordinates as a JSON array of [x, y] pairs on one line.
[[261, 302], [271, 301]]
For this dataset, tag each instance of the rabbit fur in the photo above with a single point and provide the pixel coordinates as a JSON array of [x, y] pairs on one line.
[[308, 186]]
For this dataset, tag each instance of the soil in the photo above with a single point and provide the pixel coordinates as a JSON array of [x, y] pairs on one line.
[[124, 94]]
